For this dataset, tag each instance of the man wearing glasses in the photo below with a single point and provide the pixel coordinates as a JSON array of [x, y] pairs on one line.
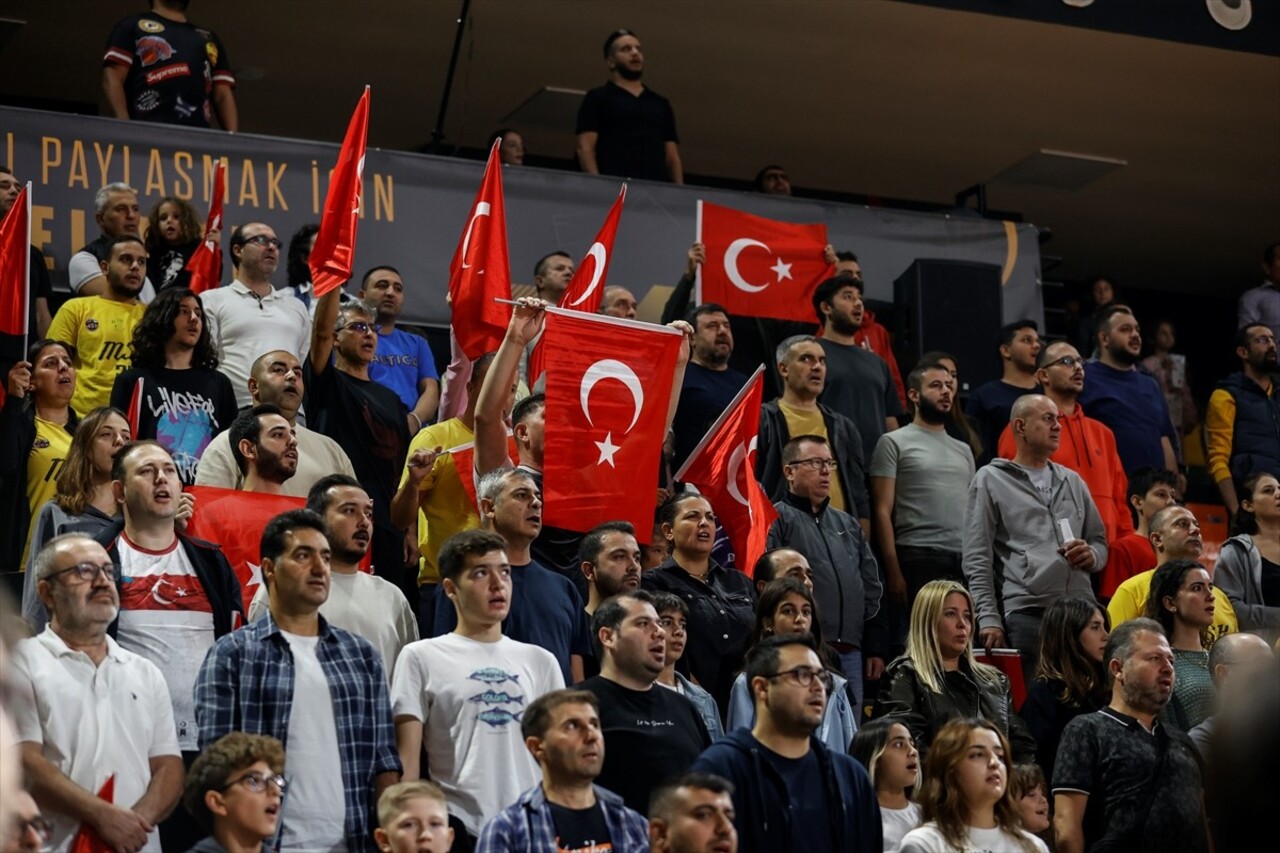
[[846, 578], [1086, 446], [790, 791], [249, 317], [1241, 432], [92, 717]]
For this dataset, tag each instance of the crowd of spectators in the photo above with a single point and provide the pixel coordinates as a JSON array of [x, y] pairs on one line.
[[277, 596]]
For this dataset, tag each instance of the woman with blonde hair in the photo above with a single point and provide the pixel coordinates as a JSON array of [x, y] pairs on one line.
[[965, 798], [938, 680]]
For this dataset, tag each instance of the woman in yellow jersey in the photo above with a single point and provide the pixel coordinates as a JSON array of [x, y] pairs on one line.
[[36, 424]]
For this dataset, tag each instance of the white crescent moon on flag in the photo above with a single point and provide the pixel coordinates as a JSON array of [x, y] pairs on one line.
[[736, 459], [482, 209], [731, 264], [155, 593], [599, 255], [608, 368]]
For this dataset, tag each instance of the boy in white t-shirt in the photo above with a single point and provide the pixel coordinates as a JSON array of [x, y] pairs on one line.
[[463, 693]]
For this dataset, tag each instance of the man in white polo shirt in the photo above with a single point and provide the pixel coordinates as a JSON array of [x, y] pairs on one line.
[[249, 317], [89, 713]]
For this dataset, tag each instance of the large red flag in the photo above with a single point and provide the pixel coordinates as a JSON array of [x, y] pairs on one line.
[[587, 286], [608, 387], [722, 468], [205, 263], [15, 266], [335, 248], [479, 271], [759, 267]]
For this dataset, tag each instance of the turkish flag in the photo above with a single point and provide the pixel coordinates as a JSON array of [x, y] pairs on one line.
[[87, 839], [587, 286], [464, 462], [722, 468], [479, 272], [608, 388], [759, 267], [205, 263], [335, 246], [15, 266]]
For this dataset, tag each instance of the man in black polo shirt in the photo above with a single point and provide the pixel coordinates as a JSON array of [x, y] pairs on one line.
[[624, 127], [1123, 782], [649, 733]]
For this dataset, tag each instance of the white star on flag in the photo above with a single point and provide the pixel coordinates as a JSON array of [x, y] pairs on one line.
[[255, 575], [781, 270], [607, 449]]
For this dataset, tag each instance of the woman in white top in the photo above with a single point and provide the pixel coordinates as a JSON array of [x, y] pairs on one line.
[[886, 749], [965, 797]]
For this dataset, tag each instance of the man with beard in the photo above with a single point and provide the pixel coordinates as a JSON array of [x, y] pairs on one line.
[[101, 327], [919, 474], [692, 813], [990, 402], [709, 383], [1031, 527], [625, 128], [1242, 423], [1086, 446], [846, 578], [1123, 781], [177, 594], [871, 334], [88, 710], [859, 383], [610, 559], [1127, 399], [404, 362], [567, 811], [276, 378], [361, 603], [790, 791], [650, 732]]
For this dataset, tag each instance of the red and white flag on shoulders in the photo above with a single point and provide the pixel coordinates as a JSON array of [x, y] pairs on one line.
[[722, 468], [15, 266], [608, 388], [205, 263], [480, 272], [334, 251], [759, 267], [587, 286]]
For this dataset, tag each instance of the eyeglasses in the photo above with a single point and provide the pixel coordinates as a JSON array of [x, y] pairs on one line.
[[87, 571], [1067, 361], [257, 783], [361, 327], [37, 824], [804, 676], [264, 241], [817, 464]]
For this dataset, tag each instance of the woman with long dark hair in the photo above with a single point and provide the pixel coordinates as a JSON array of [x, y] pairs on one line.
[[787, 607], [1182, 601], [1248, 567], [183, 400], [885, 748], [1070, 677]]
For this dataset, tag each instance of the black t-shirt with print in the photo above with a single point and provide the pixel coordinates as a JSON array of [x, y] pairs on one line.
[[581, 830], [172, 66]]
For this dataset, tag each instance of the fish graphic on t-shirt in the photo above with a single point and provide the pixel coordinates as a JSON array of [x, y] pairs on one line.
[[493, 697], [492, 675], [498, 717]]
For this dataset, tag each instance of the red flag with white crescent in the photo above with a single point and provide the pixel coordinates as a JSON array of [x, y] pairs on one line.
[[15, 266], [608, 387], [587, 286], [722, 468], [205, 263], [134, 415], [334, 251], [759, 267], [480, 272]]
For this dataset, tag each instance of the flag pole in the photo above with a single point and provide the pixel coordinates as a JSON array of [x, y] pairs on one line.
[[728, 410], [26, 282]]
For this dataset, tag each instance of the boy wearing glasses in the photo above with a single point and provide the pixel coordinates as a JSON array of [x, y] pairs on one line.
[[791, 792], [235, 790], [91, 717]]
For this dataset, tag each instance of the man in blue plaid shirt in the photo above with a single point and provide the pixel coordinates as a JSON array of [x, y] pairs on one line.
[[566, 812], [341, 740]]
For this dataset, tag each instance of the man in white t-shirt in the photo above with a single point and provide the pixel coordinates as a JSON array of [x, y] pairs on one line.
[[359, 602], [464, 693], [318, 689], [91, 716]]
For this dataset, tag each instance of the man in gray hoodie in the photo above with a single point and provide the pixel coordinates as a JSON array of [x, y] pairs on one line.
[[1031, 523]]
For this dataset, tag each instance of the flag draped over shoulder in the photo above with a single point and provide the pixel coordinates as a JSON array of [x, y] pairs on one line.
[[205, 263], [480, 271], [335, 248]]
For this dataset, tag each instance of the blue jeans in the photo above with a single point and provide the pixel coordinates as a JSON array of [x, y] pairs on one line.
[[851, 663]]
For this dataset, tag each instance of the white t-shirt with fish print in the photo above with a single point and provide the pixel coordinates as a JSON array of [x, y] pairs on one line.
[[470, 697]]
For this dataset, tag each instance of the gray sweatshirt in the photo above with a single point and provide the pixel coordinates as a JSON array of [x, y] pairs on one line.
[[1009, 533]]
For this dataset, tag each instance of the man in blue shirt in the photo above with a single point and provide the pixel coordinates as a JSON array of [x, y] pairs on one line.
[[404, 362]]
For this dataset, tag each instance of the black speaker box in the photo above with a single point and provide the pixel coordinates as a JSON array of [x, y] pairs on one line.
[[952, 306]]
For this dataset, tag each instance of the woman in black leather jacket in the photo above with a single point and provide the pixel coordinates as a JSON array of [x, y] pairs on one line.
[[938, 680]]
